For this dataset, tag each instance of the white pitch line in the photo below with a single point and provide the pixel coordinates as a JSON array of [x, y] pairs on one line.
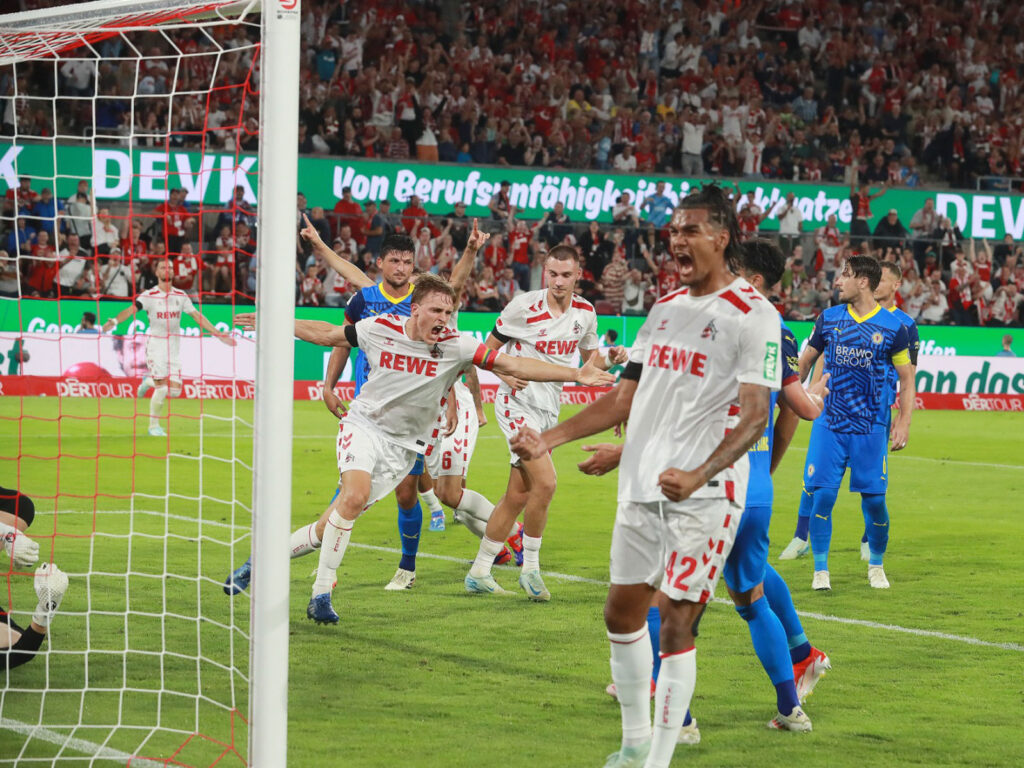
[[67, 741], [723, 601], [892, 456], [599, 583]]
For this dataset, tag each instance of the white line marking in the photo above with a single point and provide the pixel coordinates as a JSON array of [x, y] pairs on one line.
[[723, 601], [599, 583], [900, 456], [67, 741]]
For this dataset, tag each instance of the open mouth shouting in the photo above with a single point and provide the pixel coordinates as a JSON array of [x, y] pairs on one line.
[[686, 265]]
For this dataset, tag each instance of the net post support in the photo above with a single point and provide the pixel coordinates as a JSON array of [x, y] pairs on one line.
[[272, 447]]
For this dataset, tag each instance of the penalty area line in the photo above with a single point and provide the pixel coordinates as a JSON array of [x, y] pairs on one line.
[[99, 752], [804, 614]]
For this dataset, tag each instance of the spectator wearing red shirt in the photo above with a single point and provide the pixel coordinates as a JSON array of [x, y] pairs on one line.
[[415, 216], [495, 256], [43, 272], [176, 222], [519, 238], [861, 202], [27, 198], [347, 211], [185, 268]]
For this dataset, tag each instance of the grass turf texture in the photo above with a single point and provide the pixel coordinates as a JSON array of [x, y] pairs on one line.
[[434, 676]]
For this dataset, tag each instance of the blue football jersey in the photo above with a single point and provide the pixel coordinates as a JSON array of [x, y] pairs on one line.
[[859, 355], [915, 344], [760, 492], [367, 303]]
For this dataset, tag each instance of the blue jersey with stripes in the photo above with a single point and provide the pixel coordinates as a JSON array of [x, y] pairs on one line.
[[915, 344], [368, 302], [760, 492], [859, 355]]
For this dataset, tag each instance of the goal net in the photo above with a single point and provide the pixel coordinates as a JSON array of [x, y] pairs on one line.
[[129, 140]]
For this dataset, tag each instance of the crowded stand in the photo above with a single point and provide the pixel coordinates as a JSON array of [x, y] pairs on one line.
[[875, 97]]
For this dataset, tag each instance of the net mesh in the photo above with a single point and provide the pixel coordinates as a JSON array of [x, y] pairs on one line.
[[146, 662]]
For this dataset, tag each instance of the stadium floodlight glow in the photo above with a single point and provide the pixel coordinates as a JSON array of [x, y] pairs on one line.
[[267, 40]]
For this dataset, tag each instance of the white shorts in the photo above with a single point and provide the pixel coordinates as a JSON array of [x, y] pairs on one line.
[[161, 363], [677, 547], [513, 415], [364, 449], [451, 455]]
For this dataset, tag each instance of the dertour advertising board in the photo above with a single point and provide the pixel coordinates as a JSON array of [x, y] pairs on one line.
[[146, 175], [952, 360]]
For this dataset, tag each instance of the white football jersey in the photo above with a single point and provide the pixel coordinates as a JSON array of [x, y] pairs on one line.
[[533, 331], [409, 380], [695, 352], [164, 311]]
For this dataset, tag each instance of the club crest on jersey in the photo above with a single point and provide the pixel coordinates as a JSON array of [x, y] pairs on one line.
[[435, 351], [876, 337], [710, 331], [810, 470], [349, 458], [577, 328]]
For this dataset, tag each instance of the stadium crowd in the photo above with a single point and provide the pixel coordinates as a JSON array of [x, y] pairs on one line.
[[886, 95]]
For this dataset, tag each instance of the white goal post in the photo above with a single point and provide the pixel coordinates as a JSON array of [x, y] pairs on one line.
[[59, 32]]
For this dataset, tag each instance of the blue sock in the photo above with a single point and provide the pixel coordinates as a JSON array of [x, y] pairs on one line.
[[874, 509], [770, 646], [688, 719], [803, 519], [410, 523], [821, 525], [781, 602], [654, 630]]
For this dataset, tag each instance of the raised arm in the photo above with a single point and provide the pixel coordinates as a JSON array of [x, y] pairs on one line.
[[346, 269], [464, 266]]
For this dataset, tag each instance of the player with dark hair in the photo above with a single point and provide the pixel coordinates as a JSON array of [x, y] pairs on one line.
[[696, 394], [551, 324], [792, 664], [19, 645], [863, 346]]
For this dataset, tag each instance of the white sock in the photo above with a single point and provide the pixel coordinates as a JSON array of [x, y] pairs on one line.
[[485, 557], [156, 405], [676, 682], [433, 503], [336, 538], [304, 541], [474, 511], [147, 382], [632, 662], [531, 553]]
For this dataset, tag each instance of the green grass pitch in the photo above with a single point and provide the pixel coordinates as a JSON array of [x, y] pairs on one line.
[[435, 677]]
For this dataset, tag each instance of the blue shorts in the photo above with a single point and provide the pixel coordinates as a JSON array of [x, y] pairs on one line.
[[417, 468], [745, 566], [830, 453]]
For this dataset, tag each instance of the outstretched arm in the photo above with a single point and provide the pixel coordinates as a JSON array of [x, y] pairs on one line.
[[609, 411], [346, 269], [538, 370], [123, 315], [206, 325], [321, 333]]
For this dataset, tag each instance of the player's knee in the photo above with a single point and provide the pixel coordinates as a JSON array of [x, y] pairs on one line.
[[449, 493], [351, 502], [174, 388], [544, 487]]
